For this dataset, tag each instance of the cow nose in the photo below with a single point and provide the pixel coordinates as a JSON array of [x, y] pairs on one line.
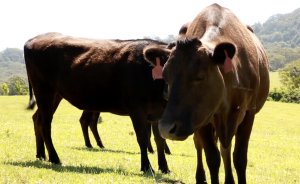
[[167, 129]]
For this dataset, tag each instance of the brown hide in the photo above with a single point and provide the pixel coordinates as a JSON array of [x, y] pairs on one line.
[[209, 91], [97, 76]]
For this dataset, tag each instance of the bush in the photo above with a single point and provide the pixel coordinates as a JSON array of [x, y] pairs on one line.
[[287, 95]]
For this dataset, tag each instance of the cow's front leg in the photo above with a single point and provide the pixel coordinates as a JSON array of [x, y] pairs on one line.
[[213, 159], [241, 146], [84, 122], [140, 124], [160, 144]]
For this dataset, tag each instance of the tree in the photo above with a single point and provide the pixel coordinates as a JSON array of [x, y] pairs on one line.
[[12, 54], [12, 81], [276, 61], [5, 89], [290, 75], [18, 88]]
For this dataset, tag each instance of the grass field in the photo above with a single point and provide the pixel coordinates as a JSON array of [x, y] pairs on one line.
[[274, 80], [274, 152]]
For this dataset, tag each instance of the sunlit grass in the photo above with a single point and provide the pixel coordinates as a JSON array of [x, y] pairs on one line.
[[274, 152], [274, 80]]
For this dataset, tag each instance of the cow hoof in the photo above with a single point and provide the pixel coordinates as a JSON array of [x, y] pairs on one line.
[[55, 161], [41, 157], [165, 170], [89, 146], [101, 146], [168, 152], [151, 151], [148, 170]]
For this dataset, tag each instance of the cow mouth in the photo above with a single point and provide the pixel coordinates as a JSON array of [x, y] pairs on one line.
[[174, 131]]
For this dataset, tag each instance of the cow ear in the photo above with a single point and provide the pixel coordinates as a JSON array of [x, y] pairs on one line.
[[153, 52], [223, 55]]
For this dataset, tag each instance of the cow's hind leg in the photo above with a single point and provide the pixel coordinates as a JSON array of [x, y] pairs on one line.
[[93, 126], [47, 102], [226, 155], [40, 147], [160, 144], [140, 124], [241, 146]]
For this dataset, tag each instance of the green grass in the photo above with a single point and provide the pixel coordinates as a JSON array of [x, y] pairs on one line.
[[274, 152], [274, 80]]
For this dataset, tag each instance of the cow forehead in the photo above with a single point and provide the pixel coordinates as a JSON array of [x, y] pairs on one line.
[[189, 58]]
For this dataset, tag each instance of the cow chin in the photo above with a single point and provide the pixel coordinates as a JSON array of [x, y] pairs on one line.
[[178, 131]]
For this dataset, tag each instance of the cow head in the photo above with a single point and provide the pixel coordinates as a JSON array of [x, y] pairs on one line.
[[196, 86]]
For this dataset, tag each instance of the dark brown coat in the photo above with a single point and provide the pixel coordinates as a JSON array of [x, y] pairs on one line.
[[218, 80], [97, 76]]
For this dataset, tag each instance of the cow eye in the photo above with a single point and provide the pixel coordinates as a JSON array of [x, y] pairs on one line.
[[200, 79]]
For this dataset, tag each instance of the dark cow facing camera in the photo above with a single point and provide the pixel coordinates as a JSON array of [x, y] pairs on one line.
[[96, 76], [218, 79]]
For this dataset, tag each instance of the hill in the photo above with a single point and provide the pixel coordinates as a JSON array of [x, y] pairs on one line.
[[12, 64], [280, 30], [280, 36]]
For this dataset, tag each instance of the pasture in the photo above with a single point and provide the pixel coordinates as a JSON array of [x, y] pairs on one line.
[[275, 80], [274, 149]]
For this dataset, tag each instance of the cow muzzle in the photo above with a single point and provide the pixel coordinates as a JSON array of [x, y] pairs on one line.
[[174, 130]]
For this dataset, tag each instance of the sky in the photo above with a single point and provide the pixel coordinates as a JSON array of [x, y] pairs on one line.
[[21, 20]]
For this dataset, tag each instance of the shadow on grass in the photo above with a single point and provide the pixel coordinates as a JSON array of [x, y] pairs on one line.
[[59, 168], [40, 164], [104, 150]]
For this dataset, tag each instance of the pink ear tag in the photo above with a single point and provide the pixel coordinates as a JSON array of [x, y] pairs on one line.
[[228, 63], [157, 70]]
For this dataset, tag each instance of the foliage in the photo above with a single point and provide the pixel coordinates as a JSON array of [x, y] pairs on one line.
[[280, 28], [12, 54], [290, 75], [11, 82], [18, 88], [287, 95], [5, 89], [280, 36]]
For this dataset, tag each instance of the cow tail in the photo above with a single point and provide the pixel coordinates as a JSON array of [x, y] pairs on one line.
[[31, 98]]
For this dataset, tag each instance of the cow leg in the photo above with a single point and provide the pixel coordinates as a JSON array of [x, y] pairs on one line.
[[200, 173], [241, 146], [84, 122], [47, 102], [140, 124], [40, 147], [150, 148], [212, 153], [156, 133], [167, 149], [226, 155], [93, 126], [160, 144]]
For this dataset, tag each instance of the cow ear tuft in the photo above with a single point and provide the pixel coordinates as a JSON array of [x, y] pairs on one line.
[[152, 52]]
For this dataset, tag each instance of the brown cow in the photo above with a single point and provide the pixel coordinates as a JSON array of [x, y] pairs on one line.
[[98, 76], [90, 119], [218, 80]]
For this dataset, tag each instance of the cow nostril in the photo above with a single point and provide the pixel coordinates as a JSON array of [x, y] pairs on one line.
[[173, 129]]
